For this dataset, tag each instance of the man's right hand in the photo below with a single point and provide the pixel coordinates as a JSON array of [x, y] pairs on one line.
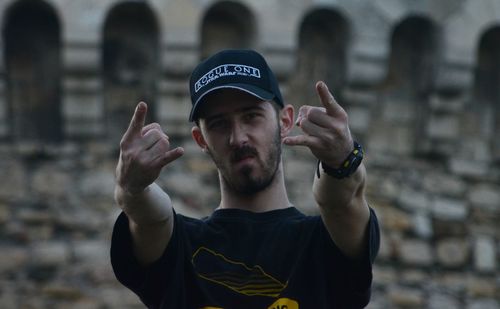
[[144, 151]]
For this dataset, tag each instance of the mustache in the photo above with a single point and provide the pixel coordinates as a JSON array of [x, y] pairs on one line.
[[243, 152]]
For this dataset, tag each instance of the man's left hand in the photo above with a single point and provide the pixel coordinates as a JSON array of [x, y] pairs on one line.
[[325, 129]]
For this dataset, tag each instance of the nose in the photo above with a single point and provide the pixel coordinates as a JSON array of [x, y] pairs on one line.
[[238, 136]]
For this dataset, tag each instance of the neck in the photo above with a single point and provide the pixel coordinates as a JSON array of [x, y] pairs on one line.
[[271, 198]]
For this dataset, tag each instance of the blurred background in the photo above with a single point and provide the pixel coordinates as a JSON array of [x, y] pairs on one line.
[[419, 79]]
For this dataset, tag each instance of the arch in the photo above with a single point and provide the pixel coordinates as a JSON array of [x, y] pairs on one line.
[[413, 58], [130, 63], [487, 84], [32, 37], [227, 24], [487, 77], [322, 50]]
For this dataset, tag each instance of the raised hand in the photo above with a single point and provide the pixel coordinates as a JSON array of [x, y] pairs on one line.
[[144, 151], [325, 129]]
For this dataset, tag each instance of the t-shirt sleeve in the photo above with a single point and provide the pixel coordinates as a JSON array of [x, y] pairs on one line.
[[147, 282]]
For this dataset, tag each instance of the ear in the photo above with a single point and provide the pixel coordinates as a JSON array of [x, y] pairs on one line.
[[198, 138], [286, 120]]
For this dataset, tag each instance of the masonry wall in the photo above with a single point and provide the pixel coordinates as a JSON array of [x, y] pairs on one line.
[[420, 81]]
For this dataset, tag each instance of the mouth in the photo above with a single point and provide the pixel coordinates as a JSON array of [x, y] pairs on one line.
[[243, 154]]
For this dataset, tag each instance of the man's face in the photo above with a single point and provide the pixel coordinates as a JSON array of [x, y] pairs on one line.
[[242, 136]]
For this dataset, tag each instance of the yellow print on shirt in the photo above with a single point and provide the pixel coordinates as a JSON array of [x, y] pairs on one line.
[[282, 303], [235, 275]]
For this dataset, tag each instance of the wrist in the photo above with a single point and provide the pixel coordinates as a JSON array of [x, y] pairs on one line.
[[348, 166]]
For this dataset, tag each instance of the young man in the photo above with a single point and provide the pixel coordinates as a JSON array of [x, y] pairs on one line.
[[256, 250]]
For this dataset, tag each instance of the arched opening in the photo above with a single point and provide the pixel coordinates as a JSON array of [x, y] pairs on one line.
[[405, 93], [130, 63], [412, 63], [487, 85], [322, 49], [226, 25], [32, 40]]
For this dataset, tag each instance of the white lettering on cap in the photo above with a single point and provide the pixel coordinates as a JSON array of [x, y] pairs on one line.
[[226, 70]]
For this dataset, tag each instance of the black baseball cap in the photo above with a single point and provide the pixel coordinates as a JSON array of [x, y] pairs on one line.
[[241, 69]]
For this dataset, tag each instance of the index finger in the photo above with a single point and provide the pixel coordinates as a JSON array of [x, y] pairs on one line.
[[327, 99], [137, 121]]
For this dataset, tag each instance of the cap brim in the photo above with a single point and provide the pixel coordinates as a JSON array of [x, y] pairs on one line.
[[250, 89]]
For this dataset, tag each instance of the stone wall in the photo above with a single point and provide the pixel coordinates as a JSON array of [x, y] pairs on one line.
[[418, 79]]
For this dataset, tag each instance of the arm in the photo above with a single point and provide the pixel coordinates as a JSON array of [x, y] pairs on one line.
[[144, 151], [344, 210], [342, 202]]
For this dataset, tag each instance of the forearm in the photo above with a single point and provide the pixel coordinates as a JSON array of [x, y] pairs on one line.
[[151, 221], [340, 194], [344, 210]]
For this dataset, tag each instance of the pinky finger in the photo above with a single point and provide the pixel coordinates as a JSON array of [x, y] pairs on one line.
[[170, 156]]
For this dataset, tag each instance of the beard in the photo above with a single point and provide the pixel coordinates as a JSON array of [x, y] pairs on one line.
[[244, 182]]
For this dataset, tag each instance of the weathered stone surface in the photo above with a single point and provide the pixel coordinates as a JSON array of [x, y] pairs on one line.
[[394, 219], [413, 200], [482, 304], [486, 197], [452, 252], [422, 226], [469, 168], [51, 181], [449, 209], [482, 287], [440, 301], [443, 127], [50, 254], [445, 184], [485, 253], [416, 252], [13, 258], [406, 297]]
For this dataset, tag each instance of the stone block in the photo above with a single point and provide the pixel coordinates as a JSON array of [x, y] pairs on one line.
[[468, 168], [416, 252], [50, 254], [445, 184], [486, 197], [449, 209], [81, 57], [453, 252], [179, 61], [482, 304], [443, 127], [422, 226], [482, 287], [441, 301], [13, 259], [401, 297], [394, 219], [414, 200], [359, 119], [485, 254]]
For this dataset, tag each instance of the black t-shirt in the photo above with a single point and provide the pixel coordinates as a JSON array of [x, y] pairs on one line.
[[241, 259]]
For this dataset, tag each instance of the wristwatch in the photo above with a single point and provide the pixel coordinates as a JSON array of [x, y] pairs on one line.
[[348, 167]]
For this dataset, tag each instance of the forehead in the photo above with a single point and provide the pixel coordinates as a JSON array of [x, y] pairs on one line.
[[229, 101]]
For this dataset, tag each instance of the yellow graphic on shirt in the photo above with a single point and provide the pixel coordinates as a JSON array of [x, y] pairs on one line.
[[284, 303], [234, 275]]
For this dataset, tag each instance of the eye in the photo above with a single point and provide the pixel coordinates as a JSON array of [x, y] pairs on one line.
[[250, 116], [218, 124]]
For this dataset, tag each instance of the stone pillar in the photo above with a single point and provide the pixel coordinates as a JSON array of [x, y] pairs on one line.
[[82, 99]]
